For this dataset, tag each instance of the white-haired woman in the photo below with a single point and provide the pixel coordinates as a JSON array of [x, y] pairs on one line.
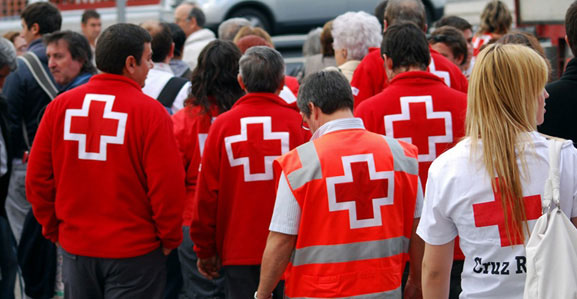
[[488, 188], [353, 34]]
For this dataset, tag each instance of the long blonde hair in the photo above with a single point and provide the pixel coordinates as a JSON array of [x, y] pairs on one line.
[[502, 105]]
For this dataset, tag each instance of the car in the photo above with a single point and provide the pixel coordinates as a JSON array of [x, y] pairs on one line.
[[294, 16]]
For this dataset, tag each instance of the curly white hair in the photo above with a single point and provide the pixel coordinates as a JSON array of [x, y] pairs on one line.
[[356, 32]]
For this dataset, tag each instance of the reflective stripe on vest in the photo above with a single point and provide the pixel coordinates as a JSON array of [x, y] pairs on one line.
[[325, 254], [401, 161], [310, 166], [393, 294]]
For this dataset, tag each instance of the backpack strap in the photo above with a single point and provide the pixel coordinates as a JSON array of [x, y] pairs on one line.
[[169, 92], [39, 73]]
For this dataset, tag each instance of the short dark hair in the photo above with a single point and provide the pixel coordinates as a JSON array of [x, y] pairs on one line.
[[380, 12], [262, 69], [45, 14], [406, 44], [328, 90], [406, 11], [571, 27], [161, 39], [118, 42], [198, 14], [454, 21], [453, 39], [78, 47], [178, 38], [89, 14]]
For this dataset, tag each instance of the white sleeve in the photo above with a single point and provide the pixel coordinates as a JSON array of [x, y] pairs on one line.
[[419, 202], [287, 212], [435, 226], [181, 98]]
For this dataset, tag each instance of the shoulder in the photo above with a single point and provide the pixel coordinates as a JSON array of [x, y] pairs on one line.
[[457, 157]]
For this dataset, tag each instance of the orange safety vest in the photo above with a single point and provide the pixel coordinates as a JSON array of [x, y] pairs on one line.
[[357, 193]]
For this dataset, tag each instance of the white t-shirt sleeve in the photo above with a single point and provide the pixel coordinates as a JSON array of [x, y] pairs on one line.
[[419, 202], [181, 97], [436, 227], [287, 212]]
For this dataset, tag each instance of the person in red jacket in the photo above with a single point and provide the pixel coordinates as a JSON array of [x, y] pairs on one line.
[[417, 107], [235, 191], [345, 216], [214, 90], [105, 178], [370, 77]]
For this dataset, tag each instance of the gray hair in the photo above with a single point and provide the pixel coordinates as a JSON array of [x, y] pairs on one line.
[[228, 29], [262, 69], [7, 54], [312, 45], [356, 32], [328, 90]]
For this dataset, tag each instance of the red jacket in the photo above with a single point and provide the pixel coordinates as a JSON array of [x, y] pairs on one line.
[[236, 190], [370, 77], [191, 126], [105, 177], [479, 40], [351, 243]]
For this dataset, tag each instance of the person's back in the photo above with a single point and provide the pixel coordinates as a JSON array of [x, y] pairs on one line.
[[370, 77], [416, 107], [561, 106], [105, 154]]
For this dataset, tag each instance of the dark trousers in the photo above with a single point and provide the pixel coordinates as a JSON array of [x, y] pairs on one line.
[[196, 286], [137, 277], [8, 262], [173, 276], [242, 281]]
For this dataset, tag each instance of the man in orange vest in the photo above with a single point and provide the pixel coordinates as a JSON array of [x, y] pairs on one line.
[[347, 205]]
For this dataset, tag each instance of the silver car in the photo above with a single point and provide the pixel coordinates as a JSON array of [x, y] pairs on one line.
[[284, 16]]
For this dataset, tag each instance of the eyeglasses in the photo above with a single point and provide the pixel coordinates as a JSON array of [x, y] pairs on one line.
[[304, 124]]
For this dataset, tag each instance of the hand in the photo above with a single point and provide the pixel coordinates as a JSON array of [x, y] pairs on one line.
[[209, 267], [413, 290], [166, 251]]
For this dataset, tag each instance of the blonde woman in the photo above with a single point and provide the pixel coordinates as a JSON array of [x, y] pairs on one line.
[[496, 20], [487, 189]]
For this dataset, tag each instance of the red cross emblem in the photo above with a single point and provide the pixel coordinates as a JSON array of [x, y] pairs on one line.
[[491, 213], [420, 125], [256, 147], [361, 190], [95, 126]]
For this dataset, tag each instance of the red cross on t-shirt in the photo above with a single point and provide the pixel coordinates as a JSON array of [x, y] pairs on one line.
[[362, 190], [256, 148], [419, 127], [491, 213], [94, 126]]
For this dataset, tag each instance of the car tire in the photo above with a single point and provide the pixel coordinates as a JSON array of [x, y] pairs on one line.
[[256, 18]]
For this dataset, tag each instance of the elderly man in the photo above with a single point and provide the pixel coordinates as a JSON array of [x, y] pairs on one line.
[[26, 100], [161, 83], [235, 190], [370, 77], [105, 178], [228, 29], [345, 216], [8, 265], [191, 19], [69, 59]]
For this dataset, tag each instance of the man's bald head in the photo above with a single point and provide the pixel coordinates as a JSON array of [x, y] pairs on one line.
[[399, 11]]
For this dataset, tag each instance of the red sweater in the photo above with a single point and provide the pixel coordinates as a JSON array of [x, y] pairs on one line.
[[105, 177], [191, 126], [370, 77], [236, 189]]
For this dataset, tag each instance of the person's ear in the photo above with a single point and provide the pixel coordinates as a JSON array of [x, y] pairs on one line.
[[240, 82], [388, 62], [130, 64], [385, 25], [171, 52], [460, 59], [35, 29]]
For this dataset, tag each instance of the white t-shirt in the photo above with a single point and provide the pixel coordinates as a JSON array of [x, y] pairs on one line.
[[456, 183], [157, 79]]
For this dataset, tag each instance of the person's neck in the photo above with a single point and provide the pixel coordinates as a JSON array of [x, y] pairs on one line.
[[340, 114], [405, 69]]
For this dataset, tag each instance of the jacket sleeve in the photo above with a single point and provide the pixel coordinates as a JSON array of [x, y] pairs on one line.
[[368, 79], [165, 179], [13, 90], [40, 184], [204, 214]]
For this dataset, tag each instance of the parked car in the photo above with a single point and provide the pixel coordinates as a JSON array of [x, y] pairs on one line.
[[294, 16]]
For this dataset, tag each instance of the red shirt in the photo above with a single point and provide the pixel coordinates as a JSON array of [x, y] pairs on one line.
[[105, 177], [236, 189], [370, 77], [479, 41], [191, 126]]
